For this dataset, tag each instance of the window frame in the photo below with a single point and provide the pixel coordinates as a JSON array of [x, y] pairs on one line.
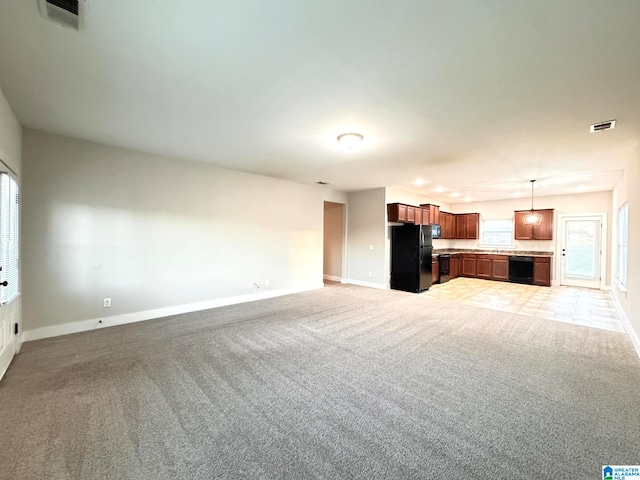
[[510, 231]]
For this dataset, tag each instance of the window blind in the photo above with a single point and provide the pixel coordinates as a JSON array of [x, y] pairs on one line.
[[9, 238]]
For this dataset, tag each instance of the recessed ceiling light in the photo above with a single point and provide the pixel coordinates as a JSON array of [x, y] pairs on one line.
[[580, 188], [455, 194], [517, 194], [350, 140], [467, 199], [418, 182], [440, 189]]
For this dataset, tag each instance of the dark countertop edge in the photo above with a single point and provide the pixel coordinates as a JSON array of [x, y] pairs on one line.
[[528, 253]]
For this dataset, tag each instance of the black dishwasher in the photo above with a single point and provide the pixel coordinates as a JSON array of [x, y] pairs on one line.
[[521, 269]]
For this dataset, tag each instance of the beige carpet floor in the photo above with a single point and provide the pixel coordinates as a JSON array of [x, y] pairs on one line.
[[345, 382]]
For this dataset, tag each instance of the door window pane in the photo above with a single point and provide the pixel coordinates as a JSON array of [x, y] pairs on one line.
[[582, 248]]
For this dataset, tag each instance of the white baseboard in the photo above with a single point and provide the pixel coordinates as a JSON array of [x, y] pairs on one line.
[[380, 286], [626, 323], [95, 323], [333, 278]]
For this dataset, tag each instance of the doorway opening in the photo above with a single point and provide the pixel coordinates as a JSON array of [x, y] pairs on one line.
[[582, 250], [334, 239]]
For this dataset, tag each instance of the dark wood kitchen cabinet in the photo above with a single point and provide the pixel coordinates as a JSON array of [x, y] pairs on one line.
[[483, 266], [397, 212], [434, 212], [468, 268], [425, 217], [435, 272], [542, 271], [446, 225], [417, 216], [454, 265], [411, 214], [544, 231], [466, 226], [473, 225], [460, 231], [500, 267]]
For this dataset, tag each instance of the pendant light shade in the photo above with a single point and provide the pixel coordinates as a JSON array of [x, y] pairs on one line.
[[533, 217]]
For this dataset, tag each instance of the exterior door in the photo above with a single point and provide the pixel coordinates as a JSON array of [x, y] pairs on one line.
[[581, 246]]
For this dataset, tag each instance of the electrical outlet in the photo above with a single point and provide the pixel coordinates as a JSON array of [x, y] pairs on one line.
[[370, 274], [106, 303], [370, 247], [267, 281]]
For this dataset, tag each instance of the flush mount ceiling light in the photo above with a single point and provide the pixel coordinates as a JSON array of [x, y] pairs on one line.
[[350, 140], [532, 218]]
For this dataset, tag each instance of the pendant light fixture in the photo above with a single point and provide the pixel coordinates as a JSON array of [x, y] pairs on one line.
[[533, 217]]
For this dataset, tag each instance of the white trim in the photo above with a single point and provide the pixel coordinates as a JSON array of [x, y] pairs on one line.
[[94, 323], [333, 278], [380, 286], [626, 323]]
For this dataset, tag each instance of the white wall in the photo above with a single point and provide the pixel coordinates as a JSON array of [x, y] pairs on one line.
[[11, 155], [152, 232], [334, 228], [366, 227], [579, 203], [627, 191]]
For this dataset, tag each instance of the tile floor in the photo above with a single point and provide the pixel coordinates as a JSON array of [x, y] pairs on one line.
[[582, 306]]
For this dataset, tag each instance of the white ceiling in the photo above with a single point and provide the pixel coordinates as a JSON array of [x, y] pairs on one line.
[[473, 97]]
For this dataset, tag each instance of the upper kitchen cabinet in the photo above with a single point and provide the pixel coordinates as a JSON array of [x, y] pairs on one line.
[[434, 212], [425, 216], [401, 213], [544, 231], [447, 225], [473, 225], [466, 226], [397, 212]]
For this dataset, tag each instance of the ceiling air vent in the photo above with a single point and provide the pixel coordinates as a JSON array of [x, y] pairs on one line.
[[599, 127], [68, 13]]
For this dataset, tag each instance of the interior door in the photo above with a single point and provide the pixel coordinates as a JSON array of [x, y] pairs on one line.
[[581, 251]]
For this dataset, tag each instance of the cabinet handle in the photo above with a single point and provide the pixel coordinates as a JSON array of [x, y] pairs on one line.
[[4, 284]]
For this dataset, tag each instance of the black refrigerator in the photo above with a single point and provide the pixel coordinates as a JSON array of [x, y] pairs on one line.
[[411, 250]]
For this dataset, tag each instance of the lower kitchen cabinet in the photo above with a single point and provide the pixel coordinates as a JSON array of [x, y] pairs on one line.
[[500, 267], [495, 267], [542, 271], [454, 265], [435, 272], [469, 265], [483, 266]]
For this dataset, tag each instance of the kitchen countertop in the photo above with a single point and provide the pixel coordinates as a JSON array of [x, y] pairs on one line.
[[528, 253]]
